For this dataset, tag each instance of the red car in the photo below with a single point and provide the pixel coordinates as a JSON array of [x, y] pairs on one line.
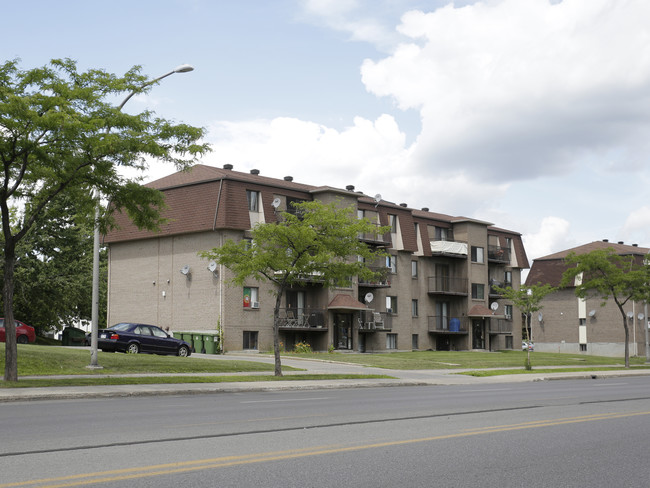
[[24, 332]]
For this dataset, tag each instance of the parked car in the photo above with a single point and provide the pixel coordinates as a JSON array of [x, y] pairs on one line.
[[527, 346], [134, 338], [24, 333]]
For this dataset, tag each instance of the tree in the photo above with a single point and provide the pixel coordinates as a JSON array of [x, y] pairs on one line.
[[315, 239], [528, 301], [54, 270], [60, 136], [605, 274]]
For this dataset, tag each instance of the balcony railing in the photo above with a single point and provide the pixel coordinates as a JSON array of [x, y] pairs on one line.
[[375, 238], [448, 248], [441, 324], [494, 284], [498, 254], [381, 281], [445, 285], [500, 326], [369, 321], [301, 318]]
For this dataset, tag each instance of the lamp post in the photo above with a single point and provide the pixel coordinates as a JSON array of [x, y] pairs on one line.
[[94, 316]]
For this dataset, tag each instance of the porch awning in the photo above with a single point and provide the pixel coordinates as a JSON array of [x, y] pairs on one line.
[[480, 311], [346, 302]]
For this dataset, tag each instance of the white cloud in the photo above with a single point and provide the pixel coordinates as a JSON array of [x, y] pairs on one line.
[[553, 236], [637, 227], [522, 88]]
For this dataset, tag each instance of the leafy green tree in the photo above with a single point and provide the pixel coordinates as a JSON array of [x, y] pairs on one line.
[[604, 273], [59, 135], [54, 270], [528, 301], [316, 240]]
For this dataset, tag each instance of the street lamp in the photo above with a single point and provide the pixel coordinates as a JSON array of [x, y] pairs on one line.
[[94, 315]]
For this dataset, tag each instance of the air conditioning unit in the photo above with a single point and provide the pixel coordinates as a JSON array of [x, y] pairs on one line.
[[255, 305]]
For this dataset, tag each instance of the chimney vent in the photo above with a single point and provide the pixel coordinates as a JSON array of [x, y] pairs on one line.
[[605, 240], [403, 205], [621, 242], [227, 166], [350, 188], [255, 171], [635, 245], [288, 178], [425, 209]]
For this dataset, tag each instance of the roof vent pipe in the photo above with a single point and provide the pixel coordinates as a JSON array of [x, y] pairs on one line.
[[635, 245], [621, 242], [350, 188], [403, 205], [288, 178], [605, 240], [227, 166], [255, 171], [425, 209]]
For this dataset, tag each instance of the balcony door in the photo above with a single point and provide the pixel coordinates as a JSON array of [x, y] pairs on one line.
[[343, 331], [478, 334]]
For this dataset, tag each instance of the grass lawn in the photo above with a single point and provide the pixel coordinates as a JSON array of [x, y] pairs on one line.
[[466, 359]]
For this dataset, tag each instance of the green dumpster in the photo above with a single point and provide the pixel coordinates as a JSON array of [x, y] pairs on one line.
[[210, 341], [73, 337], [178, 335], [197, 342]]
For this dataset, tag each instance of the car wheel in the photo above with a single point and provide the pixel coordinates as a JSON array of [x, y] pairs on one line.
[[133, 348], [183, 351], [22, 339]]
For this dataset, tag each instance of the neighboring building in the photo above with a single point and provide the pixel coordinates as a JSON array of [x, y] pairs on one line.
[[435, 292], [570, 324]]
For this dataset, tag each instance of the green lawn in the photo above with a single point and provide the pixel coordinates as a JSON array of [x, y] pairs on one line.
[[466, 359]]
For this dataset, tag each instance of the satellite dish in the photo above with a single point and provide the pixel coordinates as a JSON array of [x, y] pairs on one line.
[[275, 203], [640, 316], [540, 317], [185, 269], [369, 297], [377, 199], [494, 306], [630, 315], [592, 313], [212, 266]]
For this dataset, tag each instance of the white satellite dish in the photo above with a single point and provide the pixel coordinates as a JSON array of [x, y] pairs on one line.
[[592, 313], [185, 269], [630, 315], [275, 203], [540, 317], [212, 266], [369, 297], [494, 306], [640, 316]]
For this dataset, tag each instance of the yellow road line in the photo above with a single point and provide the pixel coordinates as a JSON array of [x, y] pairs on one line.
[[221, 462]]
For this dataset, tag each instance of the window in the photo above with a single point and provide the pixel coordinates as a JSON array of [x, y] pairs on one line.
[[253, 198], [392, 222], [391, 305], [391, 341], [507, 278], [583, 347], [250, 339], [443, 234], [414, 342], [391, 263], [477, 254], [414, 269], [414, 308], [478, 291], [251, 297], [508, 312]]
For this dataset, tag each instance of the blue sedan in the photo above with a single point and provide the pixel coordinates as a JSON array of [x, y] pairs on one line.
[[134, 338]]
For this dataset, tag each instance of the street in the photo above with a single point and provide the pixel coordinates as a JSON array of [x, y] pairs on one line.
[[553, 433]]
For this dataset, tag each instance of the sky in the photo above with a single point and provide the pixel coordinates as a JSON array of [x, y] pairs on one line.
[[530, 114]]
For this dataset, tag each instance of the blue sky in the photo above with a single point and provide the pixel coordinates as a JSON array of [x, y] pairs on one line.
[[532, 114]]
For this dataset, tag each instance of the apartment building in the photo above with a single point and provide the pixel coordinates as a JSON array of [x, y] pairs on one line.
[[570, 324], [436, 288]]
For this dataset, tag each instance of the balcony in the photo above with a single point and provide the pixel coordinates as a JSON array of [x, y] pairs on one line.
[[498, 254], [450, 249], [494, 284], [371, 321], [500, 326], [302, 319], [375, 238], [440, 324], [445, 285], [381, 281]]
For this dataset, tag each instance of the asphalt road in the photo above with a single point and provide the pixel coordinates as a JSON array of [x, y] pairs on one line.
[[591, 433]]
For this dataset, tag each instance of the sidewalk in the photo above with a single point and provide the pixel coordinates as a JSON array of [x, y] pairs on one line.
[[402, 378]]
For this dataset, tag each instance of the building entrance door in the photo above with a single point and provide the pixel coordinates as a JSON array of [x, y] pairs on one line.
[[478, 334], [343, 331]]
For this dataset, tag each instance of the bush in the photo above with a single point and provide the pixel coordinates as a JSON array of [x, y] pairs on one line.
[[302, 347]]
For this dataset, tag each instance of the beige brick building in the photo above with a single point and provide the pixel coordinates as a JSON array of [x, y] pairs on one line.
[[573, 325], [435, 292]]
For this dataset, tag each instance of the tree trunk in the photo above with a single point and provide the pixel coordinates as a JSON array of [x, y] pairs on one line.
[[528, 330], [276, 333], [627, 333], [11, 352]]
